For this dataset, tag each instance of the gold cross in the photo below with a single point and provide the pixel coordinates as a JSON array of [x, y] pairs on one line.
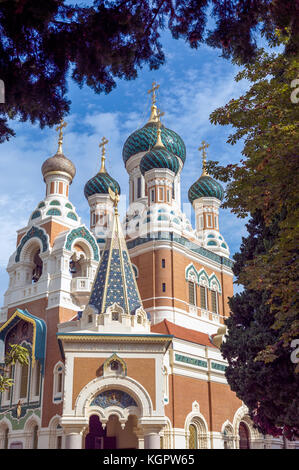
[[153, 91], [203, 147], [104, 141], [59, 128]]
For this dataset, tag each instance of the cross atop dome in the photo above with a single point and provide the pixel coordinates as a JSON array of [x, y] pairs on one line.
[[60, 137], [104, 142], [203, 148], [153, 116], [159, 142]]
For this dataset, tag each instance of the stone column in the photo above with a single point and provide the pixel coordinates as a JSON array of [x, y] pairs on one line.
[[151, 440], [73, 439]]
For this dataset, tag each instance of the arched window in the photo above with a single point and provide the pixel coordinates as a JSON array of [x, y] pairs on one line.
[[38, 267], [243, 436], [58, 383], [193, 437], [214, 301], [24, 381], [36, 380], [192, 292]]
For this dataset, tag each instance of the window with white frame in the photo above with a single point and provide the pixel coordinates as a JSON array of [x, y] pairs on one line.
[[192, 292], [214, 301], [209, 221], [58, 383], [203, 297], [216, 221], [36, 380], [153, 195], [161, 195]]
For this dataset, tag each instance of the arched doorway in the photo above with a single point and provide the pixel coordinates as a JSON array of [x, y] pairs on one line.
[[243, 436], [113, 436]]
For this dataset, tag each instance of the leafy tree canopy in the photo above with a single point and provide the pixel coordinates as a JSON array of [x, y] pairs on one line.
[[263, 185], [16, 353], [41, 41]]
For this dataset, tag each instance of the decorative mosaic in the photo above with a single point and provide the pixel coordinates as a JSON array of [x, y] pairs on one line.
[[113, 398], [26, 412], [99, 184], [32, 232], [191, 360], [159, 158], [205, 186], [216, 366], [143, 139], [82, 232], [36, 214], [71, 215], [53, 212], [182, 241]]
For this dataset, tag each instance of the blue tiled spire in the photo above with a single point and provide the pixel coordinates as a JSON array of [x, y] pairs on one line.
[[115, 279]]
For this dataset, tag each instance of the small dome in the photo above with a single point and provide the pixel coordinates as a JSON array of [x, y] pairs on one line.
[[58, 163], [99, 184], [144, 138], [205, 186], [159, 157]]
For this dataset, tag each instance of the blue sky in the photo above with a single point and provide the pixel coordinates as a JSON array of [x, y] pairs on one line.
[[192, 84]]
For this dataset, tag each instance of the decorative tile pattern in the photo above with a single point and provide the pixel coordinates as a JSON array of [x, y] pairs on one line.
[[113, 398], [159, 158], [53, 212], [82, 232], [143, 139], [72, 215], [205, 186], [99, 184], [33, 232]]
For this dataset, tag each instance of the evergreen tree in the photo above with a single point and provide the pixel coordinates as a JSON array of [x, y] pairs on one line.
[[270, 390], [41, 42]]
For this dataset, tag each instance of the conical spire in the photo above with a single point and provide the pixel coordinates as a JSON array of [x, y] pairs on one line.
[[115, 280]]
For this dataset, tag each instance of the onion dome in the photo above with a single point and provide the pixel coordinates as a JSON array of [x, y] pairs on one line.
[[59, 163], [205, 186], [102, 181], [159, 156], [144, 138]]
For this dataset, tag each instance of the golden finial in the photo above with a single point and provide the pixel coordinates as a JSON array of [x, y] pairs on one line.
[[114, 196], [203, 147], [60, 139], [159, 142], [104, 141], [153, 116]]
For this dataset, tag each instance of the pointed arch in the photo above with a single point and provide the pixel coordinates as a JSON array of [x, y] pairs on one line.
[[214, 283], [203, 278], [191, 273]]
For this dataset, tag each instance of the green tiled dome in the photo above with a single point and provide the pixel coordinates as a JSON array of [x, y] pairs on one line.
[[99, 184], [144, 138], [205, 186], [159, 158]]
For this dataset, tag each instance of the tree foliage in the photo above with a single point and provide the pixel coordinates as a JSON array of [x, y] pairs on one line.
[[15, 354], [264, 185], [269, 389], [43, 41]]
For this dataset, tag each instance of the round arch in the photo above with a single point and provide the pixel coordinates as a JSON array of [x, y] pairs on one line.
[[196, 419], [31, 424], [126, 384], [242, 415], [5, 430]]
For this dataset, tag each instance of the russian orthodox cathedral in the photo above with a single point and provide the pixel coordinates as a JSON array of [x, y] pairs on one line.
[[121, 319]]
